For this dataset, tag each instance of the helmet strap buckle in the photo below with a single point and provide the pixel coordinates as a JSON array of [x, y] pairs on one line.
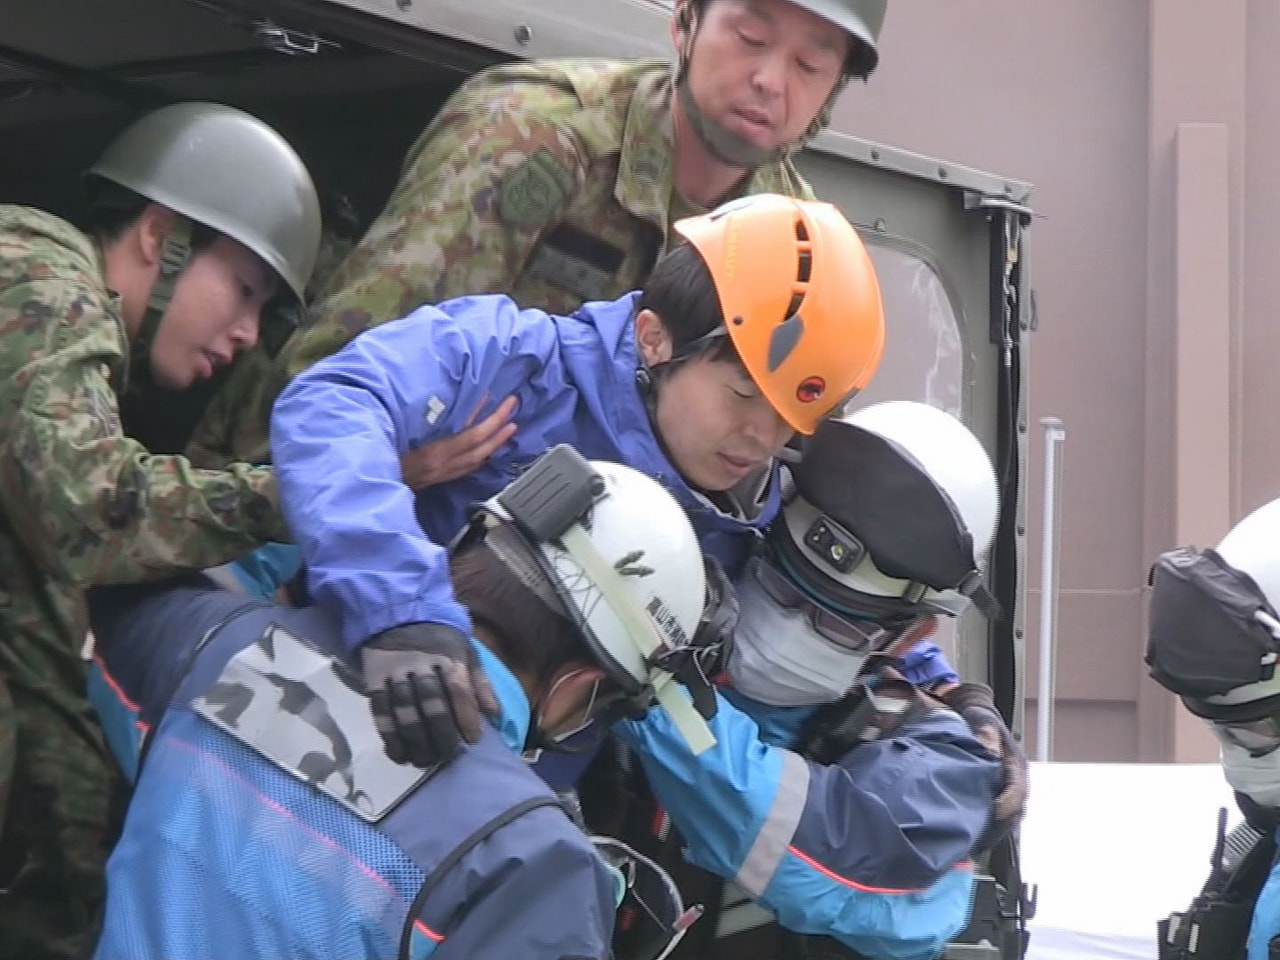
[[175, 254]]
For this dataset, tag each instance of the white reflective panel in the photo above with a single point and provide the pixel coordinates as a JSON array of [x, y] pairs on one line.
[[924, 350]]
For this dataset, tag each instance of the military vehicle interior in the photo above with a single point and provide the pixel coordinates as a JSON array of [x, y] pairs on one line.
[[350, 92]]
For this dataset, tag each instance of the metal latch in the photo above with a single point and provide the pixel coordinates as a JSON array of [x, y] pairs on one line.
[[983, 201], [290, 42]]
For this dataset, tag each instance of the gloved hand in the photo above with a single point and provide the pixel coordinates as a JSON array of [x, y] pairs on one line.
[[974, 702], [426, 688]]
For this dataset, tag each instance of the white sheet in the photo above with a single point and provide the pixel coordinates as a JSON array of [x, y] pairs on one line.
[[1114, 848]]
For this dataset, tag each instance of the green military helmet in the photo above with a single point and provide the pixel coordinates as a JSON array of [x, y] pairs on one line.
[[228, 170], [862, 20]]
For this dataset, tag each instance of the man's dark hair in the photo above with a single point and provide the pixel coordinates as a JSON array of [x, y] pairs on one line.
[[680, 291], [113, 209], [526, 634]]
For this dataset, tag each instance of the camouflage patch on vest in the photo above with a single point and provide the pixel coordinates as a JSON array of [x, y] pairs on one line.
[[534, 191], [306, 712]]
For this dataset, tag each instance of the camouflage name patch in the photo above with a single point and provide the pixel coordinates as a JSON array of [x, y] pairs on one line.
[[535, 191]]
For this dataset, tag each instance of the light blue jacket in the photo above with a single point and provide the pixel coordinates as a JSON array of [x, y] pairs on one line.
[[872, 850]]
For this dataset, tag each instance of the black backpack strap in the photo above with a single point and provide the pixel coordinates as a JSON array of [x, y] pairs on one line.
[[455, 856], [865, 714]]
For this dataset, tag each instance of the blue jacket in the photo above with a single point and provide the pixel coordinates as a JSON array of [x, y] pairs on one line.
[[374, 556], [1266, 916], [873, 850], [226, 853], [373, 551]]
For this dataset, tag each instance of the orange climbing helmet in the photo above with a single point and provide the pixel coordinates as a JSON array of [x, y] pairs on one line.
[[799, 297]]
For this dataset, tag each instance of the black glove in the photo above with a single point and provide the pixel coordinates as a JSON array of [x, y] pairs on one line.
[[974, 702], [427, 689]]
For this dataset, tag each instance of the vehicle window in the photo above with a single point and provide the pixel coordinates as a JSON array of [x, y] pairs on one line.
[[924, 348]]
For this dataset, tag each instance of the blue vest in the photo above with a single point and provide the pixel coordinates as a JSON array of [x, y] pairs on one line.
[[268, 821]]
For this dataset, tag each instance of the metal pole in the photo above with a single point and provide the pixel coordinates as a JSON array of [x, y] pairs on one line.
[[1054, 436]]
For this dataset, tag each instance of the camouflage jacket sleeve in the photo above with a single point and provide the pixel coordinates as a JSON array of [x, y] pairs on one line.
[[90, 504], [234, 425], [476, 192]]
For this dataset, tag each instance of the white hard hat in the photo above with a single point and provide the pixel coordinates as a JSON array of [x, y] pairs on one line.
[[625, 564], [1253, 547]]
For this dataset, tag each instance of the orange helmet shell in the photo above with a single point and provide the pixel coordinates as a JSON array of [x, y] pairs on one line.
[[799, 298]]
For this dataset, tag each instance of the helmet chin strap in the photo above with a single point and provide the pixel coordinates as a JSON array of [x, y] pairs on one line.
[[823, 116], [641, 631], [647, 378], [727, 147], [175, 253], [647, 385]]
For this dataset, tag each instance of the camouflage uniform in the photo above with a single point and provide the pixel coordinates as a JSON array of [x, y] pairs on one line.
[[549, 181], [80, 504]]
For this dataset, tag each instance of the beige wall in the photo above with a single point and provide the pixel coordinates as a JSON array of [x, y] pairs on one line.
[[1152, 133], [1260, 453]]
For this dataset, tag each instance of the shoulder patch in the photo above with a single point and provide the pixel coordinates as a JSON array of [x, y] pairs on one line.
[[533, 192]]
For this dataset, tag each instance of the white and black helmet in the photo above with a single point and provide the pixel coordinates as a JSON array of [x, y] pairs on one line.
[[890, 512], [611, 549], [1214, 635]]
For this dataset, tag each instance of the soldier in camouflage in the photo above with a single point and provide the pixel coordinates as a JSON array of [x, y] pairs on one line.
[[186, 248], [556, 182]]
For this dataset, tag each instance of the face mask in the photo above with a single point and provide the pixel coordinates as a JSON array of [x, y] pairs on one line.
[[1258, 778], [779, 659], [1259, 737], [588, 716]]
